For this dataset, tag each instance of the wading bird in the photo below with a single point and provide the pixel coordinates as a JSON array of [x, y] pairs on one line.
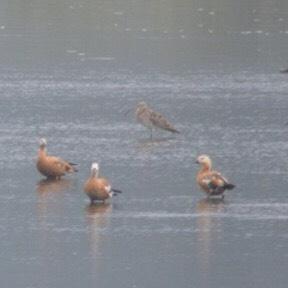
[[50, 166], [211, 181], [98, 189], [151, 119]]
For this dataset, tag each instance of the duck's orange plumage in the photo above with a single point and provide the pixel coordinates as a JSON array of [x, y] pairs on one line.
[[50, 166], [98, 189], [211, 181]]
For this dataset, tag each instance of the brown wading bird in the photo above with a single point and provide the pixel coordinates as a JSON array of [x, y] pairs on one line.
[[50, 166], [211, 181], [151, 119], [98, 189]]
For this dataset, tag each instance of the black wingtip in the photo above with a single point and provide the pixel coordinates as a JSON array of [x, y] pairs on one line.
[[73, 164]]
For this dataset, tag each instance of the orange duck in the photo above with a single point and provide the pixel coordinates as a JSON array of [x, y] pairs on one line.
[[211, 181], [50, 166], [98, 189]]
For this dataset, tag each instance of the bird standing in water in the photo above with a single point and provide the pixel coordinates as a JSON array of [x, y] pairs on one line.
[[211, 181], [50, 166], [98, 189], [151, 119]]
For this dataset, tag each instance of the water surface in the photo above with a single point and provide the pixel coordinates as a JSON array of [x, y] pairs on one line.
[[70, 71]]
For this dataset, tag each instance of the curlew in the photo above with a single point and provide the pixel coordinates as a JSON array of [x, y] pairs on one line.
[[151, 119]]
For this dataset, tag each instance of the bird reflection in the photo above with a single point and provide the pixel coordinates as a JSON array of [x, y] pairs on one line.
[[97, 215], [49, 185], [154, 142], [47, 188], [210, 205], [50, 205], [98, 219], [208, 226]]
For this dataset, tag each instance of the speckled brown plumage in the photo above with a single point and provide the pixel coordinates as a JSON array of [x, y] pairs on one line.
[[151, 119]]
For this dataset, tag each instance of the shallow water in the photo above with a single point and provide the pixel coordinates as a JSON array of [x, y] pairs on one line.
[[161, 232]]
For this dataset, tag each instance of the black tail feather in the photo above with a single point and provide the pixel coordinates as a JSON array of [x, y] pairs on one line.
[[229, 186], [72, 164], [116, 190]]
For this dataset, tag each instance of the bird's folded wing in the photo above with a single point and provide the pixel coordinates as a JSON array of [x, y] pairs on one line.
[[59, 163], [214, 180], [160, 121]]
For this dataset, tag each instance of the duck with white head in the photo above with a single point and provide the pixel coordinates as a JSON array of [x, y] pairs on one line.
[[98, 188], [209, 180]]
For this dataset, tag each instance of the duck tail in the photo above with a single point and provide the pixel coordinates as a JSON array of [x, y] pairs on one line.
[[116, 191], [229, 186], [72, 169]]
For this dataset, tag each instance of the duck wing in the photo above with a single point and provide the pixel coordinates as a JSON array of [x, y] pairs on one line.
[[216, 182], [60, 165]]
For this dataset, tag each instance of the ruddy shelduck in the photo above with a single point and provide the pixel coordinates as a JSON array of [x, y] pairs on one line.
[[151, 119], [98, 189], [50, 166], [211, 181]]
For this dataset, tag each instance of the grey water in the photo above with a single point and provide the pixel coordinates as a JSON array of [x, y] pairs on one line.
[[71, 70]]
